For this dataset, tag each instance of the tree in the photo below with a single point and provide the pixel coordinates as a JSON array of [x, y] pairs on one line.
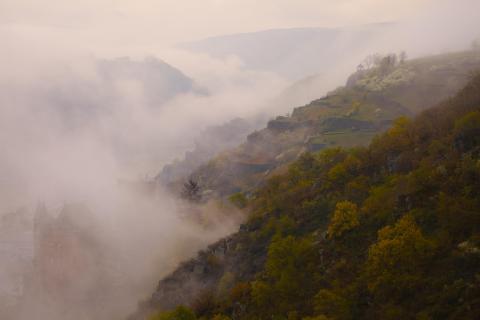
[[225, 284], [220, 317], [371, 60], [467, 130], [180, 313], [387, 63], [289, 277], [327, 303], [345, 218], [191, 191], [239, 200], [204, 304], [395, 262]]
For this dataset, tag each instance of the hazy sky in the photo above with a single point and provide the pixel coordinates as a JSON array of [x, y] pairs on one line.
[[130, 23]]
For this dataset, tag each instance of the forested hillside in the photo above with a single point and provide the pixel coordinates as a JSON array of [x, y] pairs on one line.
[[383, 89], [388, 231]]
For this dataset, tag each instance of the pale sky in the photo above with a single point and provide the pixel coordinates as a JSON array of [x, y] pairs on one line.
[[139, 22]]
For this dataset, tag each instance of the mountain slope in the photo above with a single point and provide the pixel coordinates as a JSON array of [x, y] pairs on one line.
[[390, 231], [208, 143], [349, 116]]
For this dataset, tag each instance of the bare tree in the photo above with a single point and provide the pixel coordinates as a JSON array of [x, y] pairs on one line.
[[369, 61], [372, 60], [387, 63], [191, 191]]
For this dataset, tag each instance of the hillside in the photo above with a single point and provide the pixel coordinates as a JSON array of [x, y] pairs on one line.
[[388, 231], [349, 116], [208, 143]]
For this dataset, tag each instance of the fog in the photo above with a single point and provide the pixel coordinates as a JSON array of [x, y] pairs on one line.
[[95, 100]]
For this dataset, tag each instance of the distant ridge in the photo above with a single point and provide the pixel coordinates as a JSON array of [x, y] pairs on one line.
[[292, 53]]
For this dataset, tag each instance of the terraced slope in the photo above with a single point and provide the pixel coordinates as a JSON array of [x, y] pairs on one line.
[[348, 116]]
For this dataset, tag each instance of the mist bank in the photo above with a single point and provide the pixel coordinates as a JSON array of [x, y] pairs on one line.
[[96, 258], [82, 134]]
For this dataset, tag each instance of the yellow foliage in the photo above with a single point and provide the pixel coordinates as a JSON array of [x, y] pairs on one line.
[[320, 317], [329, 303], [345, 218], [394, 261]]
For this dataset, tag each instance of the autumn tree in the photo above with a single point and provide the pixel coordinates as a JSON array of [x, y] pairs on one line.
[[395, 262], [239, 200], [330, 304], [345, 218], [290, 276], [180, 313], [220, 317], [467, 130]]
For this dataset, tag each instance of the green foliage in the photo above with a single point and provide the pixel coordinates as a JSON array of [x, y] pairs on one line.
[[239, 200], [397, 260], [345, 218], [467, 130], [180, 313], [403, 223], [327, 303], [289, 273], [240, 292], [471, 121], [225, 284], [204, 304], [287, 255], [220, 317], [278, 227]]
